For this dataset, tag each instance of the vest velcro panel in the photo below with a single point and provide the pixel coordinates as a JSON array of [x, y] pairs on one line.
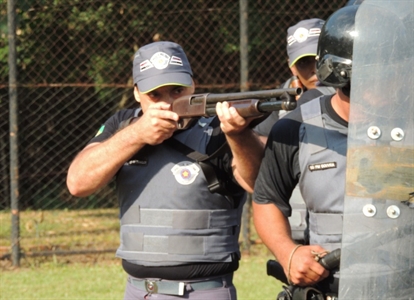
[[180, 219], [136, 241]]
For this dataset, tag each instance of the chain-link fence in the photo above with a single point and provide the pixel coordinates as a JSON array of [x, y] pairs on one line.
[[74, 63]]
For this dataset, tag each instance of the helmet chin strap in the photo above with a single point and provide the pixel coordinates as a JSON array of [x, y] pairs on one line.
[[346, 90]]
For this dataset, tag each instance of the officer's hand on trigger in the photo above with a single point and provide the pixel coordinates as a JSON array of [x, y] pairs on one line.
[[157, 124]]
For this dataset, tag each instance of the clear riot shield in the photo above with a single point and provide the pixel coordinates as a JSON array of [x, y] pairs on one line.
[[377, 258]]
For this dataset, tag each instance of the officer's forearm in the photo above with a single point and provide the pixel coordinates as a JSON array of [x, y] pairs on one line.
[[98, 163], [274, 230], [247, 151]]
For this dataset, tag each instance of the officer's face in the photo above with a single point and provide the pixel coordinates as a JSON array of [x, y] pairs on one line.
[[165, 94], [305, 70]]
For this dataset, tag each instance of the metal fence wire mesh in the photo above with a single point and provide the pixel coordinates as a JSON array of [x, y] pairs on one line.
[[74, 62]]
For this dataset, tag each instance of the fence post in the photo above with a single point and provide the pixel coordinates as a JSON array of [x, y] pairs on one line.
[[244, 86], [14, 154], [244, 46]]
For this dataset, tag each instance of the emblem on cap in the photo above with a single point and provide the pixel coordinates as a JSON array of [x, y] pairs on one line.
[[160, 61], [301, 34], [185, 172]]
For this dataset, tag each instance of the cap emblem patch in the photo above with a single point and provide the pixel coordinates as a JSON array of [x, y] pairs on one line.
[[160, 60], [301, 34]]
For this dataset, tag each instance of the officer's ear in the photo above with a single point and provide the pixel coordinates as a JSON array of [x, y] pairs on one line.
[[136, 94], [294, 70]]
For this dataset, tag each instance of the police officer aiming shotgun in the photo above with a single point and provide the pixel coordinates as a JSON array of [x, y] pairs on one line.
[[180, 204]]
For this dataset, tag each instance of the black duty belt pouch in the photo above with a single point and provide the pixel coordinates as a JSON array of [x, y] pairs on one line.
[[294, 292]]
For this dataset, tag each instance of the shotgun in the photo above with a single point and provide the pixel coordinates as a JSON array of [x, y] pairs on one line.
[[247, 104]]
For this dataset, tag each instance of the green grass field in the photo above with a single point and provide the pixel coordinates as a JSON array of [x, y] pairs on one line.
[[95, 275]]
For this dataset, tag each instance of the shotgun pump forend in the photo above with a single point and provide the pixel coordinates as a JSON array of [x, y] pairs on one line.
[[247, 104]]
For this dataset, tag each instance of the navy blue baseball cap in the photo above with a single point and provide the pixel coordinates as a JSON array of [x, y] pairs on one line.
[[159, 64], [302, 39]]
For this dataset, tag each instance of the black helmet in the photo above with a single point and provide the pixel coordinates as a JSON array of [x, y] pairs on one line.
[[334, 54]]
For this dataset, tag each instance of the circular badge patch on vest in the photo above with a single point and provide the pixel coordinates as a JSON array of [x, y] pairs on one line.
[[185, 172]]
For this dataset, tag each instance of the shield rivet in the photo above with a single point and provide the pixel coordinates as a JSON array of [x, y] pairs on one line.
[[393, 211], [369, 210], [374, 132], [397, 134]]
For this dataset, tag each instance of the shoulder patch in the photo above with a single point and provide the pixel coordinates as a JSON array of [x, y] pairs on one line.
[[100, 130]]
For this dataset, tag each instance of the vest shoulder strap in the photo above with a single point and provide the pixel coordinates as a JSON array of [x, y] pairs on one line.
[[312, 121]]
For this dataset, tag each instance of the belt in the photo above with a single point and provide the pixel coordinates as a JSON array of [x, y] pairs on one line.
[[171, 287]]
